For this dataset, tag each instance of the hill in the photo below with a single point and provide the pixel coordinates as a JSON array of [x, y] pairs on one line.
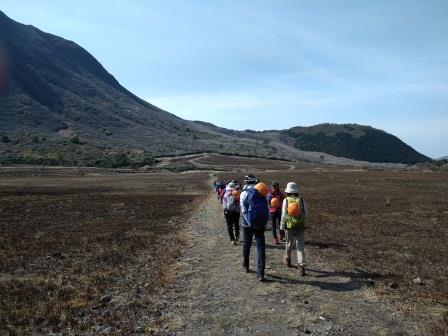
[[59, 106], [353, 141]]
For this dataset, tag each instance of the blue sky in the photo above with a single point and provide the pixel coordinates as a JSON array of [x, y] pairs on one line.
[[271, 64]]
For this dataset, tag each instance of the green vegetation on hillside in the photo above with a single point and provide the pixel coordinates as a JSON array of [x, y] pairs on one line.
[[440, 164], [354, 142], [74, 153]]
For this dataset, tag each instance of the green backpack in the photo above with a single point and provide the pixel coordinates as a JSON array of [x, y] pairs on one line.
[[295, 214]]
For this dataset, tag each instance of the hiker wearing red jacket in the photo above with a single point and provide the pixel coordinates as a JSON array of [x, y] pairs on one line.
[[275, 200]]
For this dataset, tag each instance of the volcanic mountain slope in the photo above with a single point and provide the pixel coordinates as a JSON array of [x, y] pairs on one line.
[[55, 90], [58, 105]]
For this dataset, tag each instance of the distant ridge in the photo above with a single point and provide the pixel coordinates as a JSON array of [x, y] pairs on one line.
[[59, 106], [353, 141]]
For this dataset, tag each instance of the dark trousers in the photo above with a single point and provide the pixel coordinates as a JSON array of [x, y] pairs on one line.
[[233, 223], [249, 233], [275, 220]]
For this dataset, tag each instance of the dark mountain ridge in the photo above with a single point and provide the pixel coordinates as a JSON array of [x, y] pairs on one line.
[[58, 105], [352, 141]]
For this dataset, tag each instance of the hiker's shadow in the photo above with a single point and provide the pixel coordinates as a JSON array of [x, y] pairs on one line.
[[275, 247], [342, 282], [355, 273], [351, 285], [309, 243]]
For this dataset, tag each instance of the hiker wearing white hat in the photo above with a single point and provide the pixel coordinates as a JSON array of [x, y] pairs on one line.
[[294, 215], [292, 188]]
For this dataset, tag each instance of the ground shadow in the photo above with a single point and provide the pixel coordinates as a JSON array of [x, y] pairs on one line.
[[351, 285], [310, 243], [354, 279], [280, 246], [322, 245], [354, 274]]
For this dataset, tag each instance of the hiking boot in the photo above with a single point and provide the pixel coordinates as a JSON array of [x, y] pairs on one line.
[[287, 261], [246, 269], [237, 238], [302, 270], [261, 278], [234, 242]]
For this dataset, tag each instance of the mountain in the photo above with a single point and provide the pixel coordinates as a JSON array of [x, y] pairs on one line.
[[58, 105], [57, 91], [443, 158]]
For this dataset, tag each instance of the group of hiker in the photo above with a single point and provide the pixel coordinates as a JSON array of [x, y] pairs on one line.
[[257, 204]]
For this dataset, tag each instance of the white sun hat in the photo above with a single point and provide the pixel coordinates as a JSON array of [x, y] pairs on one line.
[[292, 188], [231, 186]]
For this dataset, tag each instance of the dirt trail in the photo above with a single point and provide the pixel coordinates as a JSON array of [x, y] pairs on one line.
[[214, 296]]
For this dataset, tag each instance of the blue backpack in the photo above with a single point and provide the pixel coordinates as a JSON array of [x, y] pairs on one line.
[[257, 209]]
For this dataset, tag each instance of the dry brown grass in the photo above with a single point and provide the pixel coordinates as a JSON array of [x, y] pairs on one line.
[[387, 226], [79, 253], [67, 241]]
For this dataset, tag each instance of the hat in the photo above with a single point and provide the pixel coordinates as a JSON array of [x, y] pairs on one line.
[[231, 186], [250, 179], [292, 188]]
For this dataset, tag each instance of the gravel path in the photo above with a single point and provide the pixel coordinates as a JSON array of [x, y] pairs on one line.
[[214, 296]]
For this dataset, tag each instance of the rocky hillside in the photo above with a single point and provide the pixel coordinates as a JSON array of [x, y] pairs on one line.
[[58, 105]]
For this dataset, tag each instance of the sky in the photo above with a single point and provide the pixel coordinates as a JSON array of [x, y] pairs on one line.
[[271, 64]]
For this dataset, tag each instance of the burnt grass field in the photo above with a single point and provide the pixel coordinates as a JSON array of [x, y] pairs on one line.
[[86, 254], [386, 228]]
